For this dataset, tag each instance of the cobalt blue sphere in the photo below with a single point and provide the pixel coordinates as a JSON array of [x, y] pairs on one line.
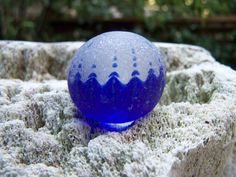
[[116, 78]]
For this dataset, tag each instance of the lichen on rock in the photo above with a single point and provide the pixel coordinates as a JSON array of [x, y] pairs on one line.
[[191, 132]]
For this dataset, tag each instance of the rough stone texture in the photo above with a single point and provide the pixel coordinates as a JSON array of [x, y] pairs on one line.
[[191, 133]]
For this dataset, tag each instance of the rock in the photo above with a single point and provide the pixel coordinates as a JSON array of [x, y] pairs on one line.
[[190, 133]]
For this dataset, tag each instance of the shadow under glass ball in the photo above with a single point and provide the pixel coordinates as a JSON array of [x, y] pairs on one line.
[[116, 78]]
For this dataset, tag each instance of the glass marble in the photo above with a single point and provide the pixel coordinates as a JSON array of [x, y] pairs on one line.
[[116, 78]]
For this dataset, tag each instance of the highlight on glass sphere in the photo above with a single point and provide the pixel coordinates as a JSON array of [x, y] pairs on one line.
[[116, 78]]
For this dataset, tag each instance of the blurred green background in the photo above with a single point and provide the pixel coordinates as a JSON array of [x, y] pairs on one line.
[[208, 23]]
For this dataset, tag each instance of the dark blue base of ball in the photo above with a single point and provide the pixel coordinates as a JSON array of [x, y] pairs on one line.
[[115, 106], [102, 125], [117, 127]]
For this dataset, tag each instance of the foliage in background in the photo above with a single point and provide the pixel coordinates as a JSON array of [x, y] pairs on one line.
[[156, 19]]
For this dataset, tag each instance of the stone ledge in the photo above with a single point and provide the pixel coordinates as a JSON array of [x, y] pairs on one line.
[[40, 61], [190, 133]]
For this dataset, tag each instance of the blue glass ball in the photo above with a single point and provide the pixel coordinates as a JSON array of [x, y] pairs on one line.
[[116, 78]]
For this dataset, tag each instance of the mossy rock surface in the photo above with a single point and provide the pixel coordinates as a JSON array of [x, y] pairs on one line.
[[191, 132]]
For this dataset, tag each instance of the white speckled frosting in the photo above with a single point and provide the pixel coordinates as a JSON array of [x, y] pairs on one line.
[[120, 52]]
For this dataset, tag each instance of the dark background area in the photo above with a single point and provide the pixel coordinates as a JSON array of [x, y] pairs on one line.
[[208, 23]]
